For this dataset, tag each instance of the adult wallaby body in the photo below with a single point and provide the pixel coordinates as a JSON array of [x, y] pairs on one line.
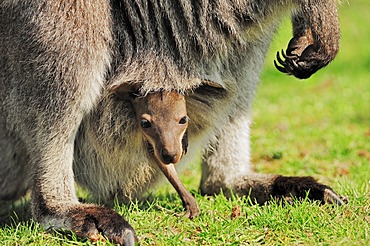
[[59, 58]]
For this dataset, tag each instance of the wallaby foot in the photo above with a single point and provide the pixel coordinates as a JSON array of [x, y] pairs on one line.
[[92, 221], [302, 187], [227, 168], [263, 187]]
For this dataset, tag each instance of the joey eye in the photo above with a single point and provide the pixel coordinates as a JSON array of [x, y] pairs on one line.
[[183, 120], [145, 124]]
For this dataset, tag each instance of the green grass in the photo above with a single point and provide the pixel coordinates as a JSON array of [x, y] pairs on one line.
[[318, 127]]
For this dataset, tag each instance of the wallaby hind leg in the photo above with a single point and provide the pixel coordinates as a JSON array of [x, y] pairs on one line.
[[54, 202], [227, 168], [57, 68]]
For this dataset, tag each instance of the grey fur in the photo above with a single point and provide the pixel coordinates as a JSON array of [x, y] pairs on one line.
[[59, 60]]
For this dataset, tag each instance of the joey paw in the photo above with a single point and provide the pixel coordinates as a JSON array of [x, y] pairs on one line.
[[192, 211], [90, 221]]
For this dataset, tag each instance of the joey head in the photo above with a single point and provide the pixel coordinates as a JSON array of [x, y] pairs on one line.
[[163, 121]]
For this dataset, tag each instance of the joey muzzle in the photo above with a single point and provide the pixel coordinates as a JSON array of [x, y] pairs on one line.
[[169, 155]]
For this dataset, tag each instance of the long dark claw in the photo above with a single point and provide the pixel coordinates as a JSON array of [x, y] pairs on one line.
[[278, 58], [283, 54], [280, 68]]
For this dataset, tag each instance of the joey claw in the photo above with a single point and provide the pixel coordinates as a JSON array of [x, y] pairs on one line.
[[192, 211]]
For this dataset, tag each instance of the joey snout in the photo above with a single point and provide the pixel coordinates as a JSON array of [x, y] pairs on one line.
[[169, 155], [168, 146]]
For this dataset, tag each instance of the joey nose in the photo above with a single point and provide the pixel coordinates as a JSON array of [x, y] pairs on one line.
[[168, 157]]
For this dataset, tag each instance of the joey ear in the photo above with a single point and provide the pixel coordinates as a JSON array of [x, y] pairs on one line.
[[213, 80], [214, 88], [213, 84], [124, 89]]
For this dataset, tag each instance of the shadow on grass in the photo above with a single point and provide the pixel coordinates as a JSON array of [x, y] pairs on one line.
[[17, 216], [14, 213], [18, 212]]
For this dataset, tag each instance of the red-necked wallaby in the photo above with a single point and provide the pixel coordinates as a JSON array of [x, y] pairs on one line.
[[59, 122]]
